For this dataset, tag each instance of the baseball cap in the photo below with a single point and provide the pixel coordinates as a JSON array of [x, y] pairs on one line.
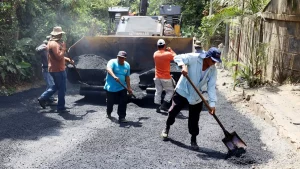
[[161, 42], [215, 54], [122, 54]]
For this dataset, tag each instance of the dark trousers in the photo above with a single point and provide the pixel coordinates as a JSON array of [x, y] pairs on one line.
[[120, 98], [178, 103]]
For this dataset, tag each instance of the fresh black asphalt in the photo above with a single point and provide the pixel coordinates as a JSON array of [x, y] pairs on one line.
[[31, 137]]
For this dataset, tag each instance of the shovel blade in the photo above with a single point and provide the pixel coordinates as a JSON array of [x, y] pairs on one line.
[[232, 141]]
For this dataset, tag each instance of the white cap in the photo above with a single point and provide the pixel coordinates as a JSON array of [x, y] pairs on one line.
[[161, 42]]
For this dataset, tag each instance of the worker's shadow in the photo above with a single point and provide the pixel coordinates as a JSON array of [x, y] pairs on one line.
[[68, 116], [205, 153], [129, 123]]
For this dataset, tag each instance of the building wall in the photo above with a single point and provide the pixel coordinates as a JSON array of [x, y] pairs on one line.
[[284, 49]]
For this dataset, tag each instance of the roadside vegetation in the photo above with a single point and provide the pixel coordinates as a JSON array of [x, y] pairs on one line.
[[233, 13], [25, 24]]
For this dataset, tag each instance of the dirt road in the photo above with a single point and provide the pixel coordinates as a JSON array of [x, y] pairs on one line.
[[31, 137]]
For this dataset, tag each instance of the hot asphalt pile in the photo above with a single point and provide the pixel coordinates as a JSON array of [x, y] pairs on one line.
[[134, 83], [92, 68], [90, 61]]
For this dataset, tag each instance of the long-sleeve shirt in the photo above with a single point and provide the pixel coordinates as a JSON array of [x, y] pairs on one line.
[[56, 59], [194, 62]]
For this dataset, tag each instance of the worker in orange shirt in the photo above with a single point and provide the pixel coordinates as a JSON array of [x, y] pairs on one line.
[[163, 80]]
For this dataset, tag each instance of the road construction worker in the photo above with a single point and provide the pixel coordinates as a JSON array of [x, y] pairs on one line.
[[201, 69], [163, 80], [42, 51], [56, 67], [118, 71]]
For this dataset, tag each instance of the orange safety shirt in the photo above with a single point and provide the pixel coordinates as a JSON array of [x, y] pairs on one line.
[[162, 61]]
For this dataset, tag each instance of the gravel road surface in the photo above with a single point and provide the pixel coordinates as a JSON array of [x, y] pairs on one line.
[[31, 137]]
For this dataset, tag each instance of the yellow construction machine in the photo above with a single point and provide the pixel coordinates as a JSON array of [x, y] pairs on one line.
[[138, 36]]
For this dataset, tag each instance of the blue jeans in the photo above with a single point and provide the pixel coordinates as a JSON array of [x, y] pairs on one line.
[[48, 79], [60, 85]]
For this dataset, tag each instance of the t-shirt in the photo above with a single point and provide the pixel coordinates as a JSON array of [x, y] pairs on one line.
[[121, 71], [162, 61]]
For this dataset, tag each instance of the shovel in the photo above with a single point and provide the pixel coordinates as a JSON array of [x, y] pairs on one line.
[[80, 79], [124, 87], [232, 141]]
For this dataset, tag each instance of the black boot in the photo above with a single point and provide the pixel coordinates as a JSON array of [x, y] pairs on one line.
[[165, 106], [42, 103], [157, 106], [194, 144]]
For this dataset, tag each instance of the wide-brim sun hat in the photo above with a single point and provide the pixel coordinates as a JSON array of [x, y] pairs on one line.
[[57, 30]]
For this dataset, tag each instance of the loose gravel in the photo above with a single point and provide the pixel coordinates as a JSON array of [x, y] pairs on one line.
[[90, 61]]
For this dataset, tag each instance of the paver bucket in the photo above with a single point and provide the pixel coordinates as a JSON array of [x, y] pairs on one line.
[[140, 50]]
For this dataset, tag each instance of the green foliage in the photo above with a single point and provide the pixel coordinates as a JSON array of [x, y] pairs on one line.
[[250, 74], [191, 13], [211, 23], [25, 24], [243, 76]]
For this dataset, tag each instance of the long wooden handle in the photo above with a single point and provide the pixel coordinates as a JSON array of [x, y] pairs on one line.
[[198, 92], [206, 104], [123, 86], [80, 79]]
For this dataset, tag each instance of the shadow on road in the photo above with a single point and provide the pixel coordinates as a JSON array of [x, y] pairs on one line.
[[19, 117], [206, 153], [129, 123], [91, 100]]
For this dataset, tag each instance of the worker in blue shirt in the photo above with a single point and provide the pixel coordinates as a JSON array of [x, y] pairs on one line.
[[200, 67], [118, 71]]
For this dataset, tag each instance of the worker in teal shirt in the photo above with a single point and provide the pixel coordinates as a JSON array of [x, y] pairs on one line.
[[118, 71]]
